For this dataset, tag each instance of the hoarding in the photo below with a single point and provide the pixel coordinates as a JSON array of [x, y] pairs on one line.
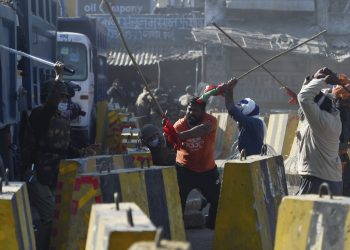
[[120, 7], [167, 29]]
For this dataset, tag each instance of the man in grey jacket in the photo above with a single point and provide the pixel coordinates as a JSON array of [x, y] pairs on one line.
[[318, 135]]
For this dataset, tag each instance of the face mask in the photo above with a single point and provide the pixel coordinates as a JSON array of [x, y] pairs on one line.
[[154, 143], [62, 106]]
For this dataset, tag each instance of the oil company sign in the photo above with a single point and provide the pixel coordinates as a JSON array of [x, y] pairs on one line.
[[120, 7], [167, 29]]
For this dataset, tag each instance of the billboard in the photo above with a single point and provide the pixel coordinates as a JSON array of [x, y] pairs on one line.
[[149, 29], [119, 7]]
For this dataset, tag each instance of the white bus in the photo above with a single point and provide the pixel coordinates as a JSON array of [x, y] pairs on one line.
[[75, 51]]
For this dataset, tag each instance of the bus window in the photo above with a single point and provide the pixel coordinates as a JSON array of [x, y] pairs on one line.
[[73, 55]]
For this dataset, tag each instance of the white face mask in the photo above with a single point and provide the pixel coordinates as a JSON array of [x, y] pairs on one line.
[[62, 106], [154, 143]]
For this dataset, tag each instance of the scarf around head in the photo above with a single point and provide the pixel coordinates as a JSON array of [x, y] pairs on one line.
[[248, 107]]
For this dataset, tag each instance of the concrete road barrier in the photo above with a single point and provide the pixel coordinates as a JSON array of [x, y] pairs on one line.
[[313, 222], [225, 134], [281, 132], [74, 197], [105, 163], [250, 194], [16, 229], [291, 164], [141, 156], [164, 245], [75, 194], [114, 138], [154, 190], [118, 228]]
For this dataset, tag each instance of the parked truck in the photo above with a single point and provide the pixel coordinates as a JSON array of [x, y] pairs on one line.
[[82, 45], [29, 26]]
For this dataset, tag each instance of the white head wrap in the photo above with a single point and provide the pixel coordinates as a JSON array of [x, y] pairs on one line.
[[246, 106]]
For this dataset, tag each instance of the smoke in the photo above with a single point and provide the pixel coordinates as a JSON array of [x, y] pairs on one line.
[[215, 11]]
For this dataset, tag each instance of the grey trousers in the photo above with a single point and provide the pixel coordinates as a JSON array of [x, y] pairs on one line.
[[42, 198]]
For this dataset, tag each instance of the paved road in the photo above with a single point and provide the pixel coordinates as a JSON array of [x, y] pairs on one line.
[[201, 239]]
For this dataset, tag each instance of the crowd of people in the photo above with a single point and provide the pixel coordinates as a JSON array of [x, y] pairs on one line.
[[140, 102], [322, 137]]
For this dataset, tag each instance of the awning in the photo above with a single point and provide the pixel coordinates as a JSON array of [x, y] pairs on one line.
[[152, 55], [339, 47], [263, 39]]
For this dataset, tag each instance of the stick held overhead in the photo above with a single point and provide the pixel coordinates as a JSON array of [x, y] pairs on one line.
[[34, 58], [289, 92], [280, 54], [138, 70]]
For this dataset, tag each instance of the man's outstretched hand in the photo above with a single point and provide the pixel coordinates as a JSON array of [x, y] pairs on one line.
[[59, 67], [232, 82], [170, 133]]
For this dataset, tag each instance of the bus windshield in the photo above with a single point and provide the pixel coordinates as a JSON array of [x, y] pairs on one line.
[[74, 56]]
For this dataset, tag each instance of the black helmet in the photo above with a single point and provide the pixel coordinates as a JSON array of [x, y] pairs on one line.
[[147, 131], [56, 89]]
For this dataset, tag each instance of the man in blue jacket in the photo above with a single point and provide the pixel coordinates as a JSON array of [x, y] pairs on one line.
[[246, 114]]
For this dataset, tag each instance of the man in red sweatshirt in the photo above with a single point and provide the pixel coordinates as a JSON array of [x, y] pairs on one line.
[[195, 165]]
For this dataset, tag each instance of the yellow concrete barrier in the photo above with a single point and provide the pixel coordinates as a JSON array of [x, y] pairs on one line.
[[141, 156], [313, 222], [281, 132], [75, 194], [164, 245], [225, 134], [74, 197], [291, 164], [111, 228], [16, 229], [114, 139], [63, 198], [154, 190], [86, 193], [250, 194], [106, 163]]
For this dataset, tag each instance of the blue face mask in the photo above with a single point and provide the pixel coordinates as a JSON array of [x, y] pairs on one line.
[[62, 106]]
